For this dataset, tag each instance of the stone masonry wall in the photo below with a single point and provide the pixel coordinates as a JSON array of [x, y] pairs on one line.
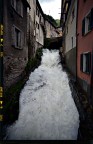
[[14, 59]]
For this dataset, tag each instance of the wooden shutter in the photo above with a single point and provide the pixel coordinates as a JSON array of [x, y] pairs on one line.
[[81, 62], [83, 27], [13, 35], [89, 62], [91, 19]]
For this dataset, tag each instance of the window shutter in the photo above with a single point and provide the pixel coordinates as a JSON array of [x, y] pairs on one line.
[[83, 27], [89, 62], [13, 35], [84, 63], [81, 62], [91, 19]]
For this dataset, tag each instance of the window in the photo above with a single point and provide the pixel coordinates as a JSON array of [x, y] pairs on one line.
[[37, 35], [34, 17], [37, 12], [87, 23], [73, 14], [21, 9], [64, 17], [72, 41], [18, 6], [66, 7], [85, 61], [17, 37], [38, 26], [40, 18]]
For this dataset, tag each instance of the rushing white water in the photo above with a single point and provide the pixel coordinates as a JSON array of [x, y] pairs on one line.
[[47, 109]]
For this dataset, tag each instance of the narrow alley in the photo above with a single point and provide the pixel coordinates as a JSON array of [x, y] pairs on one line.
[[47, 110], [46, 70]]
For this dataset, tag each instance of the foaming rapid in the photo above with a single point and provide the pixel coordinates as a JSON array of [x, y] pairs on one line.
[[47, 110]]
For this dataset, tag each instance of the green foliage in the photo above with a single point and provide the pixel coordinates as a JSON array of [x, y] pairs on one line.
[[34, 62], [11, 102], [58, 22], [51, 19], [11, 96], [47, 42]]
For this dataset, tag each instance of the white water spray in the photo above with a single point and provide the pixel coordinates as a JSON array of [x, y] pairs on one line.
[[47, 110]]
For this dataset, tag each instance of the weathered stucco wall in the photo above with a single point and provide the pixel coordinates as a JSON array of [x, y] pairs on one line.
[[84, 44], [70, 58], [70, 38]]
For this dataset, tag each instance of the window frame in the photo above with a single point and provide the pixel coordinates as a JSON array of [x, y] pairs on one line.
[[84, 23], [73, 15], [21, 37], [20, 10], [72, 40], [88, 63]]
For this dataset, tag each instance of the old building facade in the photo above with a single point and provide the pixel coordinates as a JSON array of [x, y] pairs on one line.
[[69, 15], [51, 30], [85, 47], [15, 42], [39, 26], [77, 25], [31, 28]]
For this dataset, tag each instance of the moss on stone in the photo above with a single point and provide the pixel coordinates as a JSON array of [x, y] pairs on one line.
[[11, 95]]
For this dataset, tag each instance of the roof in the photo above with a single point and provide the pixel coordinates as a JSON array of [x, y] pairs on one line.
[[38, 4], [50, 22]]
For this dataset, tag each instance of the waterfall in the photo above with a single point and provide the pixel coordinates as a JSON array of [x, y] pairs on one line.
[[46, 108]]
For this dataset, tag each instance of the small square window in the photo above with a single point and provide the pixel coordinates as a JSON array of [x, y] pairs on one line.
[[38, 26], [85, 61], [18, 38], [72, 41], [73, 14], [18, 6], [87, 23]]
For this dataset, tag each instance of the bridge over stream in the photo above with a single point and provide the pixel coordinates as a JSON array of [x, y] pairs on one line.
[[53, 43]]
